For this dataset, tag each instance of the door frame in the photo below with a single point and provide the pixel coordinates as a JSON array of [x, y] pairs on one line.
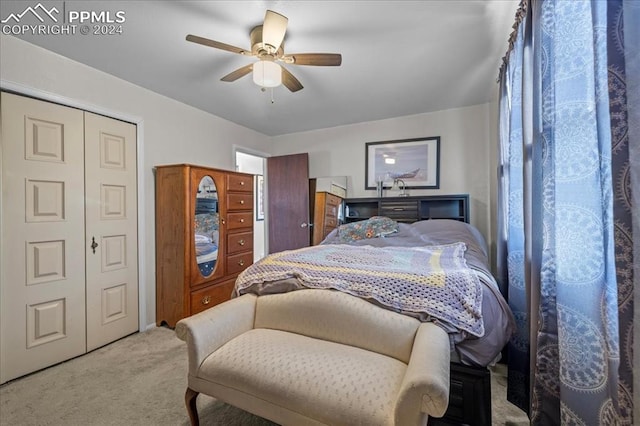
[[28, 91]]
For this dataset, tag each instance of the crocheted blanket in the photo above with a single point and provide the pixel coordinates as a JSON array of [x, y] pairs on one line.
[[431, 280]]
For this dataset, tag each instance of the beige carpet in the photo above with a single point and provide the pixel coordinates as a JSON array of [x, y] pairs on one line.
[[140, 380]]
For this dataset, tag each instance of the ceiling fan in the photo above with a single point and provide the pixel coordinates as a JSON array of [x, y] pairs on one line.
[[267, 44]]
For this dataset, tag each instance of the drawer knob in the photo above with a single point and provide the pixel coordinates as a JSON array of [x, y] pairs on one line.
[[241, 183], [241, 262], [241, 220], [241, 201], [206, 300], [240, 242]]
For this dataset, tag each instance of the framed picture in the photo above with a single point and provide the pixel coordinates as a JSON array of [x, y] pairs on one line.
[[259, 197], [414, 161]]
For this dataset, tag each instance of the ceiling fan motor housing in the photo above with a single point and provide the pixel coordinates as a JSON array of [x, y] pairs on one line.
[[262, 50]]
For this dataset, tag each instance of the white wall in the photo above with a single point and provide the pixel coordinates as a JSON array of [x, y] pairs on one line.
[[465, 165], [172, 132]]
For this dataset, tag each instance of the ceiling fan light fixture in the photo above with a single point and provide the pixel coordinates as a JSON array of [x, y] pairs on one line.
[[267, 74]]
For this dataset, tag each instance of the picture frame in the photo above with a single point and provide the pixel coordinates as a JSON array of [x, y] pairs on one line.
[[259, 197], [415, 161]]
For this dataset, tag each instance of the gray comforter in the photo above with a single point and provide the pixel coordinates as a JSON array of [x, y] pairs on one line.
[[496, 316], [498, 320]]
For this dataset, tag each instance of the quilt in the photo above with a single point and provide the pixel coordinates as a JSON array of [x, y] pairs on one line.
[[433, 280]]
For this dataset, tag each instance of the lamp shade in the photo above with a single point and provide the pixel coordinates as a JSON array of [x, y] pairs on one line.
[[267, 74]]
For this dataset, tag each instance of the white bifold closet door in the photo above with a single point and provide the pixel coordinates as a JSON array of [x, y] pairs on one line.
[[111, 236], [69, 233]]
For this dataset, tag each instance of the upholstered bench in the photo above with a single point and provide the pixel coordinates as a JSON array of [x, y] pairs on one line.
[[317, 357]]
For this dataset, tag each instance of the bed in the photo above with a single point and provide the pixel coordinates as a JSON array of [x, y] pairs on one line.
[[206, 234], [206, 253], [478, 329]]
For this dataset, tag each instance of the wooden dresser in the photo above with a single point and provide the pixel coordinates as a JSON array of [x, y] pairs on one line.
[[204, 237], [325, 215]]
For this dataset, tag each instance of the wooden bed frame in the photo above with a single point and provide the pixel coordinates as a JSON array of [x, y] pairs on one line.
[[470, 394]]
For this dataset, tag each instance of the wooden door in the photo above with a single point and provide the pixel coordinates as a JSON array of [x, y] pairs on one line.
[[42, 288], [111, 229], [287, 181]]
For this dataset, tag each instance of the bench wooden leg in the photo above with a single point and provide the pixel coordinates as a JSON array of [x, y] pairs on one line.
[[192, 409]]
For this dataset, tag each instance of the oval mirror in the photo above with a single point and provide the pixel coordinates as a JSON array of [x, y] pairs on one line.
[[206, 226]]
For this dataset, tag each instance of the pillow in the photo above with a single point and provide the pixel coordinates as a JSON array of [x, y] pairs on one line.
[[374, 227]]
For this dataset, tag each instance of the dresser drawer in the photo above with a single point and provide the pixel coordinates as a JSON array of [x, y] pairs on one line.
[[330, 222], [239, 262], [241, 241], [239, 201], [239, 220], [331, 211], [211, 296], [243, 183], [469, 396], [410, 206], [402, 211], [332, 200]]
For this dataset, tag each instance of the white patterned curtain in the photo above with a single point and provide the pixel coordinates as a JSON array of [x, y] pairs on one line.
[[567, 211]]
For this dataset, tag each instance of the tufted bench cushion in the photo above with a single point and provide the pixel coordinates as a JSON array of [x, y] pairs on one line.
[[330, 382]]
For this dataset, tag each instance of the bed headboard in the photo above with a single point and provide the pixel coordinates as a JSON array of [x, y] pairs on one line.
[[409, 209]]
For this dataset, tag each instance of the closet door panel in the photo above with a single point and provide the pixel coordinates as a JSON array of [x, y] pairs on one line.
[[111, 229], [42, 288]]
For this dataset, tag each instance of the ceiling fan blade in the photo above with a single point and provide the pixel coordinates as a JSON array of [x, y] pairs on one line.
[[217, 44], [320, 59], [290, 81], [240, 72], [273, 29]]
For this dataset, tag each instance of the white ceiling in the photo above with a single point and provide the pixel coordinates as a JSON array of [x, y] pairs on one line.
[[398, 57]]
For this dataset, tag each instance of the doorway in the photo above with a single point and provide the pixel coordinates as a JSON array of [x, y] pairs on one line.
[[254, 163]]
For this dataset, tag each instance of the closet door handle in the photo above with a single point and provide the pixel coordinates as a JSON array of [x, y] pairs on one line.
[[93, 244]]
